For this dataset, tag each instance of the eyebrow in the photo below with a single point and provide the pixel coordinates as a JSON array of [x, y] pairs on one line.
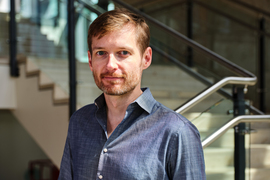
[[95, 48], [130, 49]]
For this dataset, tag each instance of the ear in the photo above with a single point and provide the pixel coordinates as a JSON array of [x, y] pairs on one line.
[[147, 58], [90, 60]]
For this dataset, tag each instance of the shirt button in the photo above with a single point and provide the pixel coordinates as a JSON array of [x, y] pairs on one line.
[[105, 150], [100, 176]]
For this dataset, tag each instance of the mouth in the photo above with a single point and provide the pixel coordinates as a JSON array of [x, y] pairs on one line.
[[113, 78]]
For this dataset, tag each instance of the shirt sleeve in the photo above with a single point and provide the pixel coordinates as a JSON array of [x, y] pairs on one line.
[[186, 160], [66, 170]]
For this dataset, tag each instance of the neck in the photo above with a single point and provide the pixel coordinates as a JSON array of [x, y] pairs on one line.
[[116, 108]]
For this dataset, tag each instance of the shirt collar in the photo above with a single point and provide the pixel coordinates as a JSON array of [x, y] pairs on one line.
[[145, 100], [100, 101]]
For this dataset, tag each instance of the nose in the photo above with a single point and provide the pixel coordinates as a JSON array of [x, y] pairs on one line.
[[112, 62]]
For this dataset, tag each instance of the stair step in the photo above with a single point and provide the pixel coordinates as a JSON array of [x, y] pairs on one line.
[[260, 125], [260, 155], [261, 136], [225, 141], [228, 174], [208, 120], [259, 173], [218, 157]]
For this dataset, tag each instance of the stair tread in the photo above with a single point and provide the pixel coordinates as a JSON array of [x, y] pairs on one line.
[[260, 146]]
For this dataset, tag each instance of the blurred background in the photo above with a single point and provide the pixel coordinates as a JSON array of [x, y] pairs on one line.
[[44, 78]]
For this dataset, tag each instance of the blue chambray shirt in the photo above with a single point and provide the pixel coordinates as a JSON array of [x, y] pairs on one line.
[[151, 143]]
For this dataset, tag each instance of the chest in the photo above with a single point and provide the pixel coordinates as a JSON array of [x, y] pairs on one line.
[[137, 153]]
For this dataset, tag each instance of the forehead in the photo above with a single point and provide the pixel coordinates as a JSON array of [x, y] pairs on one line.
[[126, 35], [117, 30]]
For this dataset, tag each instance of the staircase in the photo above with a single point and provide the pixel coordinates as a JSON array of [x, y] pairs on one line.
[[42, 104]]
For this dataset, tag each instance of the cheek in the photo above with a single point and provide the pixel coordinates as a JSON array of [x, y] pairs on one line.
[[96, 66], [136, 70]]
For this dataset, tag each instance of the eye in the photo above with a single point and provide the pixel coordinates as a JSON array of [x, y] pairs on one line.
[[124, 53], [100, 53]]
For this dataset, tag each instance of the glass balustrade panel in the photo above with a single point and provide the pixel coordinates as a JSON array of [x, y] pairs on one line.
[[42, 39], [210, 114], [219, 156]]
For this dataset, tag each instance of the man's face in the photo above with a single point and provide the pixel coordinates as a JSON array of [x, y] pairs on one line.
[[117, 63]]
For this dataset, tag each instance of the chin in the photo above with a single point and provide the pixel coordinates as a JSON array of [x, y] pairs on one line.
[[117, 91]]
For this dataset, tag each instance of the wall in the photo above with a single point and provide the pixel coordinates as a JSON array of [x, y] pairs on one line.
[[17, 148], [45, 121], [7, 86]]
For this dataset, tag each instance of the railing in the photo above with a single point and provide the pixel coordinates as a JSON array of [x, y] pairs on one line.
[[262, 34], [240, 119], [239, 139], [71, 57], [14, 71], [203, 95]]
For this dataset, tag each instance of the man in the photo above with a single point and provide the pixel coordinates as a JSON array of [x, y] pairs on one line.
[[127, 134]]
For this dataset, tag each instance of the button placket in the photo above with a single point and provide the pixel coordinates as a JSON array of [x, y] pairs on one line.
[[102, 160]]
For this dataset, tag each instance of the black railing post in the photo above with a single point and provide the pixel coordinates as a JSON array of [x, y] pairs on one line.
[[261, 66], [14, 70], [56, 20], [71, 57], [38, 18], [239, 134], [189, 32]]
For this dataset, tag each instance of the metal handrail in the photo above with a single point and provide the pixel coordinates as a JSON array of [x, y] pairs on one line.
[[204, 94], [201, 78], [232, 123]]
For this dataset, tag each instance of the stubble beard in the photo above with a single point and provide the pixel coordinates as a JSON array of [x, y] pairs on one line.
[[129, 84]]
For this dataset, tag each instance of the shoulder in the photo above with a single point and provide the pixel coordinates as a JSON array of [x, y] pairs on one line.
[[172, 118], [83, 114], [175, 124]]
